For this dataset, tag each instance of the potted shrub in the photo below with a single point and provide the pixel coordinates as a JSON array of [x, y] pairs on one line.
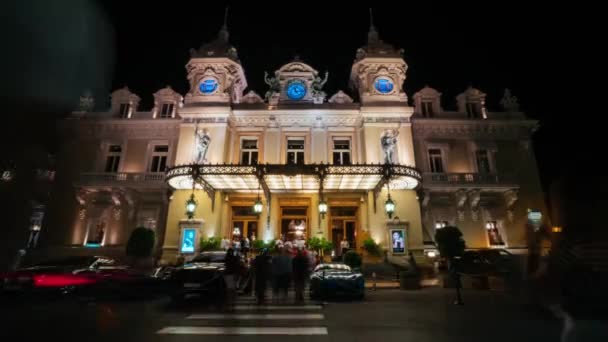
[[352, 259], [140, 247], [373, 252], [210, 244]]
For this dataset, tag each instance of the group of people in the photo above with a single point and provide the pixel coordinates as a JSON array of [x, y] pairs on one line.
[[280, 269]]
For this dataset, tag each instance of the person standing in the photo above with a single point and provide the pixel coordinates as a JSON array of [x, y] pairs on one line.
[[261, 270], [300, 272], [344, 246], [281, 269], [232, 263]]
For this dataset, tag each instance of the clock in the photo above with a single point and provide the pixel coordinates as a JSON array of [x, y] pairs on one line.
[[208, 85], [383, 85], [296, 90]]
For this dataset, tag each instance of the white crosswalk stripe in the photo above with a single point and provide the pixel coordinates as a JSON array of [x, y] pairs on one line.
[[256, 316], [271, 318], [244, 330]]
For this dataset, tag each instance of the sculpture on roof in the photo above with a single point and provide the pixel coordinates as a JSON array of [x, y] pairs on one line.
[[509, 102], [87, 102], [273, 84], [318, 83]]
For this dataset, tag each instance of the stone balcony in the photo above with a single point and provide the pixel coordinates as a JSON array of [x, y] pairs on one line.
[[122, 179], [468, 180]]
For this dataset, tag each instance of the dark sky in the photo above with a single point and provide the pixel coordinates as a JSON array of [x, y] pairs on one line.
[[63, 47]]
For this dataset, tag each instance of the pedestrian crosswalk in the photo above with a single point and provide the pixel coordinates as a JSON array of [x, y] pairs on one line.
[[245, 317]]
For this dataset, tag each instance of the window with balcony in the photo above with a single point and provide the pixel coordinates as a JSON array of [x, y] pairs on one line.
[[341, 151], [113, 155], [473, 110], [166, 111], [124, 110], [295, 151], [483, 161], [435, 160], [427, 109], [249, 151], [159, 158]]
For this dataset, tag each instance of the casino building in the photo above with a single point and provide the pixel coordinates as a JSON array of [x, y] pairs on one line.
[[314, 164]]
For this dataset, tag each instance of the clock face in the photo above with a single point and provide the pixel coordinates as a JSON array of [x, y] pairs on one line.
[[208, 85], [296, 90], [383, 85]]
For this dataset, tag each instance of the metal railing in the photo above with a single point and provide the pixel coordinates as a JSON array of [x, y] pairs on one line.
[[466, 179], [133, 178]]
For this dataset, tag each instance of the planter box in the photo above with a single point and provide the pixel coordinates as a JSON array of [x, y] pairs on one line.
[[496, 283], [475, 282], [409, 281]]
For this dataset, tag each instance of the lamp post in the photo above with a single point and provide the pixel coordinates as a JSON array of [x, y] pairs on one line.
[[322, 208], [389, 205], [191, 206], [258, 206]]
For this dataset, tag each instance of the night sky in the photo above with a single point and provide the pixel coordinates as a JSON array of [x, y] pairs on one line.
[[67, 46]]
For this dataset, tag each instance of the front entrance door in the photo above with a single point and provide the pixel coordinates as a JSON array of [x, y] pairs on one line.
[[246, 227], [343, 226]]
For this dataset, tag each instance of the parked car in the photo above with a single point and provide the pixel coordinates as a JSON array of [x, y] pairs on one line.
[[336, 280], [203, 276], [490, 261], [90, 275]]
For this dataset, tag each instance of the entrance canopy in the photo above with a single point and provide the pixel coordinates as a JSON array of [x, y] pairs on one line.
[[284, 178]]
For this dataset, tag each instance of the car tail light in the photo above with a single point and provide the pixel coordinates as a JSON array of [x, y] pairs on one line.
[[62, 280]]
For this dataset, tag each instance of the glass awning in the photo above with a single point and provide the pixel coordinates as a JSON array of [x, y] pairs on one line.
[[280, 177]]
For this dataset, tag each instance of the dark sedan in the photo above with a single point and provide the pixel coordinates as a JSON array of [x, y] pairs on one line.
[[493, 261], [203, 276], [336, 280]]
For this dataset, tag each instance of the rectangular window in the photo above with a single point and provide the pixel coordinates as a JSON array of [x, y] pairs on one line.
[[249, 151], [483, 161], [435, 160], [113, 158], [159, 158], [124, 110], [473, 110], [295, 151], [341, 151], [493, 234], [166, 111], [427, 109]]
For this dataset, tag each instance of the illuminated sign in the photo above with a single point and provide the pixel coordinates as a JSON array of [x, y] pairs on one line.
[[534, 216], [188, 240], [397, 241]]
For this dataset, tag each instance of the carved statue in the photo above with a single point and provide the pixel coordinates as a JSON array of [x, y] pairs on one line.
[[509, 102], [360, 54], [201, 141], [87, 102], [318, 83], [273, 84], [388, 140]]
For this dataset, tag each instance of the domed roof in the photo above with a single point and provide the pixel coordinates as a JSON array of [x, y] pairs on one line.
[[376, 47], [219, 47]]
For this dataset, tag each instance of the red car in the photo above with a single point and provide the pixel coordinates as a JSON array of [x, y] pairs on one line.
[[75, 274]]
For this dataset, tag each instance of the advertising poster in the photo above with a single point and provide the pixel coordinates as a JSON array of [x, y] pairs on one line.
[[188, 240], [397, 241]]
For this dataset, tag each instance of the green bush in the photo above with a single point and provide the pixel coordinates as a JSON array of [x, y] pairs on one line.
[[314, 243], [352, 259], [141, 242], [326, 245], [371, 247], [212, 243], [259, 245]]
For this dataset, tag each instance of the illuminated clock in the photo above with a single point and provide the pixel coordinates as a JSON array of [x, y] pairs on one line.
[[383, 85], [208, 85], [296, 90]]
